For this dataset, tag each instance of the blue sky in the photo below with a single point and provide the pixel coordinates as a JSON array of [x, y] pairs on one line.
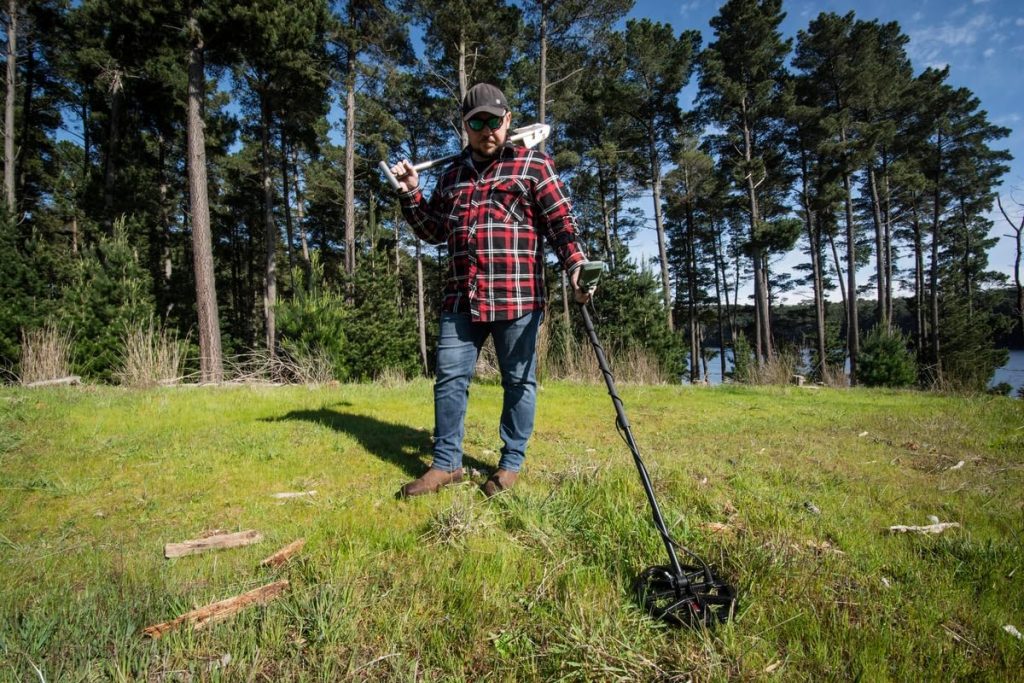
[[982, 41]]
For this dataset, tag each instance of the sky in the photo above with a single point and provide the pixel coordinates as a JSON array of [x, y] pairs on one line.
[[982, 41]]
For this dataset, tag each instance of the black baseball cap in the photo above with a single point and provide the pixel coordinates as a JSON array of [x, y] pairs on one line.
[[484, 97]]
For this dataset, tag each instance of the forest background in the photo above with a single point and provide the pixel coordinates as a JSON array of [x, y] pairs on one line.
[[181, 201]]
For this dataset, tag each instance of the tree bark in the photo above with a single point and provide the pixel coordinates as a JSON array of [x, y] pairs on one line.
[[666, 289], [12, 70], [210, 361], [350, 169], [270, 282], [853, 329], [542, 90], [933, 293], [881, 307], [287, 204]]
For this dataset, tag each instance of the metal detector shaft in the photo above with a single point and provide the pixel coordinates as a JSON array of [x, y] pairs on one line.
[[623, 422]]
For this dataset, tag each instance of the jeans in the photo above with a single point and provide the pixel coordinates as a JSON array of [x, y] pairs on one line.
[[461, 339]]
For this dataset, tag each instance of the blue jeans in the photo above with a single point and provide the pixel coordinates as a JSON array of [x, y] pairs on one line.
[[461, 339]]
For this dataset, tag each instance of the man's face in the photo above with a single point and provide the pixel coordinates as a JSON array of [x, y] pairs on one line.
[[487, 133]]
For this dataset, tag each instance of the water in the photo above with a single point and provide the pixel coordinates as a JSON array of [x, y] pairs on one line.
[[1012, 373]]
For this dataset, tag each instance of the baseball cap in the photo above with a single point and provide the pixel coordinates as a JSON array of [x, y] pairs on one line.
[[484, 97]]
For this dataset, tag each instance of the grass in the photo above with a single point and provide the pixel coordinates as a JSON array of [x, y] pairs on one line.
[[531, 585]]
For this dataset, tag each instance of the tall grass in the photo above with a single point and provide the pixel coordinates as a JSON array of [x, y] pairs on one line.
[[151, 355], [45, 354]]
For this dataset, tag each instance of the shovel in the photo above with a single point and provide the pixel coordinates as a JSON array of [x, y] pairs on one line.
[[528, 136]]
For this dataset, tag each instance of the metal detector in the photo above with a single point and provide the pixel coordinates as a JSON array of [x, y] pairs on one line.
[[528, 136], [680, 594]]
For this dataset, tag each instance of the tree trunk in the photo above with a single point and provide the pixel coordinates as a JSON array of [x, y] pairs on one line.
[[814, 242], [666, 289], [463, 87], [26, 115], [1018, 231], [763, 339], [691, 277], [12, 70], [270, 282], [933, 293], [421, 317], [113, 142], [300, 209], [287, 204], [350, 170], [542, 90], [853, 330], [210, 362], [720, 267], [881, 309], [920, 306]]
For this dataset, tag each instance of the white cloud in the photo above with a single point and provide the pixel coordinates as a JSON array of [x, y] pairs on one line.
[[989, 52], [1020, 21], [980, 2], [934, 43], [688, 7]]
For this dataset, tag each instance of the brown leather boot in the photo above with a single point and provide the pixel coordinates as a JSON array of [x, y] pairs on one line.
[[431, 482], [502, 480]]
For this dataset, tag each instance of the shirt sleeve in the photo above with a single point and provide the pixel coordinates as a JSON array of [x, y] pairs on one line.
[[559, 221], [424, 216]]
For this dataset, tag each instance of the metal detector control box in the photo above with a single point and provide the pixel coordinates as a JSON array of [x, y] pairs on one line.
[[590, 274]]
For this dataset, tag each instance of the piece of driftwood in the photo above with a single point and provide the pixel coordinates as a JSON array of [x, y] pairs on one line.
[[293, 494], [218, 611], [927, 529], [215, 542], [284, 554], [71, 379]]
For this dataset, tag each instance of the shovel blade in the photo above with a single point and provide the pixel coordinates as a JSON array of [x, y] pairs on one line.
[[532, 135]]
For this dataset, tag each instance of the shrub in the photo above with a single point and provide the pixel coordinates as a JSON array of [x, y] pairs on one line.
[[150, 355], [885, 360], [45, 354]]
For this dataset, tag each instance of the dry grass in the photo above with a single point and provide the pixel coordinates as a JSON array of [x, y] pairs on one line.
[[834, 376], [45, 354], [151, 355], [777, 370]]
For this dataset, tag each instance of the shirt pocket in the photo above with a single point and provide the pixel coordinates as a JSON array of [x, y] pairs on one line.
[[458, 205], [508, 201]]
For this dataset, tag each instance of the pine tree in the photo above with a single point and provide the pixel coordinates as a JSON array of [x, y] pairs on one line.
[[742, 94]]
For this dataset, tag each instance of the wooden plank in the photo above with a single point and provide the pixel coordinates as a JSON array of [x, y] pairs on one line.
[[215, 542], [218, 611], [284, 554]]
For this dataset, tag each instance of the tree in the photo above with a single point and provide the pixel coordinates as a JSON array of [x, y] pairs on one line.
[[657, 66], [742, 93], [372, 30], [211, 366]]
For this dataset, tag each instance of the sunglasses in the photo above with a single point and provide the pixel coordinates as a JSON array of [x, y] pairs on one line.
[[477, 125]]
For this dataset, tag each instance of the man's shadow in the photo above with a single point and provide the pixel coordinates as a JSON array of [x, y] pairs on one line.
[[397, 444]]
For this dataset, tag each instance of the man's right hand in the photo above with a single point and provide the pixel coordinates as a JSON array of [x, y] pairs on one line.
[[407, 177]]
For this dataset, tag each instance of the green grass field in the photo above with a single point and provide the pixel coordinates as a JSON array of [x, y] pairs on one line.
[[534, 584]]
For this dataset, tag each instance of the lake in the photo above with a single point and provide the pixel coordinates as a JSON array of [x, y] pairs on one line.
[[1012, 373]]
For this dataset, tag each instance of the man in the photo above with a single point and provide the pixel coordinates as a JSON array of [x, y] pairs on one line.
[[493, 207]]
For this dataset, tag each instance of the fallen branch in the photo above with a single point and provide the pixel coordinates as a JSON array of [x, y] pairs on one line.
[[284, 554], [218, 611], [927, 529], [216, 542], [71, 379]]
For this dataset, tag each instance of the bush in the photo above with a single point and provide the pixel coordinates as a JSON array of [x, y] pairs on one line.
[[45, 354], [108, 293], [150, 355], [885, 360], [311, 325]]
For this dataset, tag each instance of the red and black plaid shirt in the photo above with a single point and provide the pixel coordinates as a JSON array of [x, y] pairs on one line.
[[493, 224]]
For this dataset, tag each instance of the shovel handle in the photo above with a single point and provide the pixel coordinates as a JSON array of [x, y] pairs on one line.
[[386, 170]]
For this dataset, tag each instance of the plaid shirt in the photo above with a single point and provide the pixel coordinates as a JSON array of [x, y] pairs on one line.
[[493, 223]]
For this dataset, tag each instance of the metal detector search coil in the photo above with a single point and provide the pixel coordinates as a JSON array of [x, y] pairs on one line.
[[682, 595]]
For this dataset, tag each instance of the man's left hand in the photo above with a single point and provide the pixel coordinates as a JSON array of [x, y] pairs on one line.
[[582, 296]]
